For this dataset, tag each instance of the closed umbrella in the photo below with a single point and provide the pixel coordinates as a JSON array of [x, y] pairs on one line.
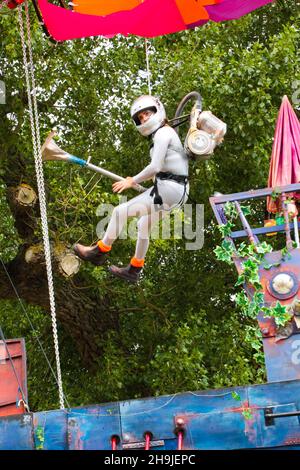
[[285, 158]]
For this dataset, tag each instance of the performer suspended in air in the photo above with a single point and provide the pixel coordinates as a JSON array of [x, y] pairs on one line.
[[168, 168]]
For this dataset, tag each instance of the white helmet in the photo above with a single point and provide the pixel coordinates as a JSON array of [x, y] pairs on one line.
[[147, 102]]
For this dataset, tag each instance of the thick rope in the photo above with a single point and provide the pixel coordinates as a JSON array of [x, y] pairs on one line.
[[34, 121]]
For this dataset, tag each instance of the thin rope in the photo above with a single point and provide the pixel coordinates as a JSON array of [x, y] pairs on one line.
[[32, 327], [34, 121], [14, 371], [148, 66]]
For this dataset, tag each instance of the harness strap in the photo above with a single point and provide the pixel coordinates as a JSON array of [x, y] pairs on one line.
[[181, 179]]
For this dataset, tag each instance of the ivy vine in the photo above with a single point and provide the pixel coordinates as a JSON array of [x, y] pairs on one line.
[[254, 257]]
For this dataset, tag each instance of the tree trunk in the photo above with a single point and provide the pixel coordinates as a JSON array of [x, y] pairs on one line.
[[77, 309]]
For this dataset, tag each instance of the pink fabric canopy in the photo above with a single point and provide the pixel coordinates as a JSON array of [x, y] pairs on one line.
[[150, 18], [285, 158]]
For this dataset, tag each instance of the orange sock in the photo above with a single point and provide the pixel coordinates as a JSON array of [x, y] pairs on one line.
[[137, 263], [102, 247]]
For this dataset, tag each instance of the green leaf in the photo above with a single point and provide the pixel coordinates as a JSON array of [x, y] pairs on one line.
[[235, 396]]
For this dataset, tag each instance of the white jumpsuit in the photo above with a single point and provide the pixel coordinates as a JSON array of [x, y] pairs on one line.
[[167, 155]]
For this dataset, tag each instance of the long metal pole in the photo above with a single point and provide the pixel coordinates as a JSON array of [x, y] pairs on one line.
[[111, 175], [296, 231], [289, 241]]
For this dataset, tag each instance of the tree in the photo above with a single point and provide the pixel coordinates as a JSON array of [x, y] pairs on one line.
[[179, 329]]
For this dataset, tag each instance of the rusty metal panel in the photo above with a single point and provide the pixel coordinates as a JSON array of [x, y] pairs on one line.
[[282, 358], [91, 428], [16, 432], [50, 430], [280, 398], [274, 394], [211, 419], [9, 390], [283, 431], [221, 431], [158, 415], [290, 265]]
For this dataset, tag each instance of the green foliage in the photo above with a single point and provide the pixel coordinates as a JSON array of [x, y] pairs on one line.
[[225, 251], [247, 413], [39, 438], [226, 229], [279, 313], [235, 396], [9, 240]]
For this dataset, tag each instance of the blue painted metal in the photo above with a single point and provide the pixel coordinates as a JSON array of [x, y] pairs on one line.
[[16, 432], [288, 351], [50, 430], [262, 230], [91, 428], [213, 419]]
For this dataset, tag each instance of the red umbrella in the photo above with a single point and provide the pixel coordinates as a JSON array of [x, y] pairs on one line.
[[285, 158]]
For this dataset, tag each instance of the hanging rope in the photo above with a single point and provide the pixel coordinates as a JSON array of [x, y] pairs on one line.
[[25, 404], [32, 327], [148, 66], [34, 121]]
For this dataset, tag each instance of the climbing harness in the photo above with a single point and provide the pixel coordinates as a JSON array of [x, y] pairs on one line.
[[181, 179], [34, 122]]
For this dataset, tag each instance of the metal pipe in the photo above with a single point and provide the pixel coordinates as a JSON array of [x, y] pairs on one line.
[[296, 231], [193, 95], [98, 169], [252, 238], [113, 176], [289, 241], [114, 442], [180, 440], [147, 440], [282, 415]]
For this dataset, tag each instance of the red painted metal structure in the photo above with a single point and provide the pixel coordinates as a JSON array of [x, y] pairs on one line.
[[147, 440], [114, 442], [11, 400]]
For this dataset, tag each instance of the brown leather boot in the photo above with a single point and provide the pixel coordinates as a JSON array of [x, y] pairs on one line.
[[130, 273], [93, 254]]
